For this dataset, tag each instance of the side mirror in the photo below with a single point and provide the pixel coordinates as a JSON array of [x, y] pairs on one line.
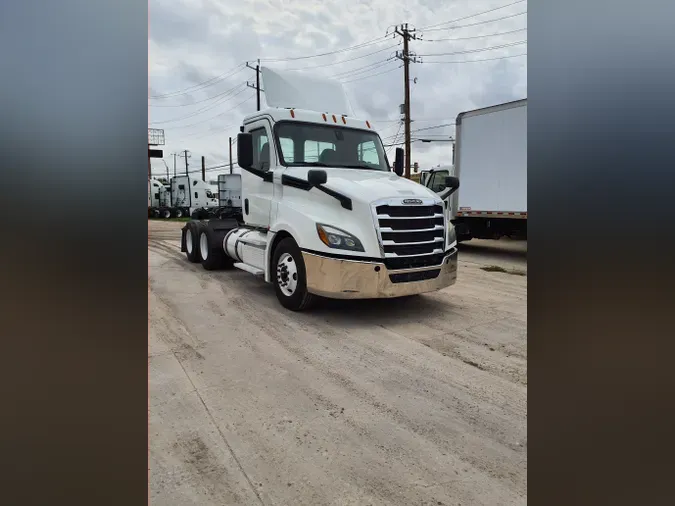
[[245, 150], [452, 182], [451, 186], [317, 177], [398, 162]]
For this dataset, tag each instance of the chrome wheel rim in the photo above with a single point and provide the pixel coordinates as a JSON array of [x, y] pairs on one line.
[[287, 274], [188, 241], [204, 246]]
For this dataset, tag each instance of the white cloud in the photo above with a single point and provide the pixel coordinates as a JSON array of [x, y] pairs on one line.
[[192, 41]]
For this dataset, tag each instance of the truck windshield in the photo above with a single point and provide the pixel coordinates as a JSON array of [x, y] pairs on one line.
[[332, 146]]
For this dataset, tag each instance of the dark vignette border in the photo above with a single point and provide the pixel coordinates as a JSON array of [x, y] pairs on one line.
[[600, 184], [73, 122]]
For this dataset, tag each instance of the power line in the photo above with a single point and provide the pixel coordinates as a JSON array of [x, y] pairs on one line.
[[200, 101], [387, 151], [372, 75], [351, 48], [475, 36], [468, 51], [218, 115], [484, 59], [358, 70], [473, 15], [343, 61], [435, 126], [208, 108], [204, 84], [477, 23], [211, 131]]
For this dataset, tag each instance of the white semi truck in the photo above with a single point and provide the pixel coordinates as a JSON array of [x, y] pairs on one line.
[[491, 159], [181, 198], [322, 213]]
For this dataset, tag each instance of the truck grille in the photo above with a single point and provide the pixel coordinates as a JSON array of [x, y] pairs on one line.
[[411, 235]]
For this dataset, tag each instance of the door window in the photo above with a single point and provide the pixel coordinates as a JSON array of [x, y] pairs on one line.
[[261, 149], [437, 183]]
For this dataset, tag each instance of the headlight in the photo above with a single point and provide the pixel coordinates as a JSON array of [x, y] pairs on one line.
[[452, 236], [338, 239]]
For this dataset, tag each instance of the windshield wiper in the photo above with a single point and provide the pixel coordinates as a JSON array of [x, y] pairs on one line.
[[358, 166], [309, 164]]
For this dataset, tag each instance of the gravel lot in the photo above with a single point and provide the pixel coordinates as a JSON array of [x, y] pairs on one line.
[[419, 401]]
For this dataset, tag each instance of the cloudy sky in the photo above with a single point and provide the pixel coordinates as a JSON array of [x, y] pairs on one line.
[[471, 54]]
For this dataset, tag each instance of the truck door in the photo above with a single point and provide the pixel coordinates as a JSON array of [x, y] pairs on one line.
[[258, 192]]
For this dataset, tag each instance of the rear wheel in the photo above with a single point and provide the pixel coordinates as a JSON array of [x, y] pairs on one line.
[[179, 213], [290, 277], [166, 213], [211, 251], [192, 230]]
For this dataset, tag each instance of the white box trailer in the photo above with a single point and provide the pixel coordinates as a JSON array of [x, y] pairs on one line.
[[491, 161]]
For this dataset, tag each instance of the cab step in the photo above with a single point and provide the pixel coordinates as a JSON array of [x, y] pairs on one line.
[[250, 269]]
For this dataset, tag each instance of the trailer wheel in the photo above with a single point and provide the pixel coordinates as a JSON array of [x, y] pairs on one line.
[[211, 251], [192, 230], [179, 213], [289, 276]]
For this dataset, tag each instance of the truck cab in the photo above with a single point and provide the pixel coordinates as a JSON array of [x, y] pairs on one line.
[[324, 213]]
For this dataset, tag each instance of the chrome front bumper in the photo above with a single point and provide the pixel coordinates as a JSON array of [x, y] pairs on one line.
[[348, 279]]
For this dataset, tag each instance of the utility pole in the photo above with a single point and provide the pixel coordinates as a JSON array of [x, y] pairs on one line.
[[186, 153], [174, 164], [256, 87], [203, 169], [231, 155], [406, 56]]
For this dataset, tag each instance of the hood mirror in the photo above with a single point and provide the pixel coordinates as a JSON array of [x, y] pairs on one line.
[[317, 177], [398, 162]]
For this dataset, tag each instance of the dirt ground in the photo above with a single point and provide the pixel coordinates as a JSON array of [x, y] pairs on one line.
[[419, 401]]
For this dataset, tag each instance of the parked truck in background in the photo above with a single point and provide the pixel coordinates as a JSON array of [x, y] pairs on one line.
[[491, 160], [183, 196], [321, 212]]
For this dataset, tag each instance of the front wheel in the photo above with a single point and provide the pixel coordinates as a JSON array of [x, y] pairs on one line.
[[290, 277]]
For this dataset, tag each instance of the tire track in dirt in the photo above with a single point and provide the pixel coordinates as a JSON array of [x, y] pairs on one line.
[[495, 466]]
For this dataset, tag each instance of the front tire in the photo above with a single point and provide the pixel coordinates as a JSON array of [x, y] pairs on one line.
[[290, 277]]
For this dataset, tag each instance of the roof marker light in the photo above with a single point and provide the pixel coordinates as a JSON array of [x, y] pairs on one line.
[[324, 116], [334, 119], [292, 113], [344, 120], [368, 123]]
